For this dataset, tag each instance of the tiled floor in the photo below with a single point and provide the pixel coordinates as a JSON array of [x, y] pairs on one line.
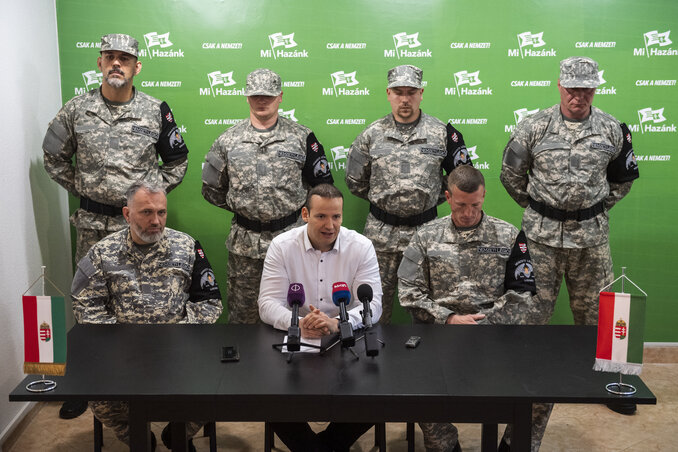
[[571, 428]]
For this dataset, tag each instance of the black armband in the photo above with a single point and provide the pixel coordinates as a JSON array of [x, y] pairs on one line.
[[519, 270], [170, 145], [316, 168], [203, 284], [457, 154], [624, 168]]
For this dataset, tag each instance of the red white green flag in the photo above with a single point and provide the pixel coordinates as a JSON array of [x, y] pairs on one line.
[[44, 335], [621, 332]]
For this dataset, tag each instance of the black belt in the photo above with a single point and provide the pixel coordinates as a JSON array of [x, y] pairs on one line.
[[273, 226], [564, 215], [394, 220], [97, 207]]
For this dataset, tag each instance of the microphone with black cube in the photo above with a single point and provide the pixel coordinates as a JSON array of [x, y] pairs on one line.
[[295, 299], [341, 297], [370, 335]]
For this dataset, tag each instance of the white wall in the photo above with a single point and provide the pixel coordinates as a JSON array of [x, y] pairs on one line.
[[34, 227]]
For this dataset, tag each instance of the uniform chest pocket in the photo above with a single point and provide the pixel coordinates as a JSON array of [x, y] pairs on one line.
[[92, 142], [551, 161]]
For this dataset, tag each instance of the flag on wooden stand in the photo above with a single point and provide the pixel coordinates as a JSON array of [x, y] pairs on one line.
[[44, 335], [621, 332]]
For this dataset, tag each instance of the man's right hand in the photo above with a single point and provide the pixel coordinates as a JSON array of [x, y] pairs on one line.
[[468, 319]]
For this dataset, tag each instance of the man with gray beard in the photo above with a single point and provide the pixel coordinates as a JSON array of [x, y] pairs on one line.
[[145, 273], [116, 134]]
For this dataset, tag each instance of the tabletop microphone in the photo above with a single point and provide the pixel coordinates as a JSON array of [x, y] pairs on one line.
[[296, 299], [341, 296], [371, 341]]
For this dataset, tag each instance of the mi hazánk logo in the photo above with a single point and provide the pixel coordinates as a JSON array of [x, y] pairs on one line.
[[218, 81], [402, 43], [530, 45], [654, 41], [92, 79], [341, 83], [519, 115], [471, 79], [649, 117], [161, 41], [604, 90], [280, 43], [339, 155]]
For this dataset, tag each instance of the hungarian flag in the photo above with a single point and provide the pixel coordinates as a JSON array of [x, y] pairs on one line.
[[44, 335], [621, 330]]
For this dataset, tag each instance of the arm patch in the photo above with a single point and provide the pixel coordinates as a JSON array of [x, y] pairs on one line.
[[624, 167], [203, 283], [316, 168], [457, 154], [170, 146], [519, 270], [82, 276], [55, 138]]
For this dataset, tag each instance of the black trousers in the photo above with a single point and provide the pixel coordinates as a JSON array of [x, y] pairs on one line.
[[338, 436]]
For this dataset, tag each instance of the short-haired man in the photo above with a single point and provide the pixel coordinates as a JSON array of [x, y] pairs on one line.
[[397, 164], [317, 255], [467, 268], [116, 134], [146, 273], [260, 169]]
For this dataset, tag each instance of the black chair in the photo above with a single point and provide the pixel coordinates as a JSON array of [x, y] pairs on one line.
[[209, 429], [379, 437]]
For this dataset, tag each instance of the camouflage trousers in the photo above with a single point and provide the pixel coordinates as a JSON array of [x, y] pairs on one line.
[[85, 238], [388, 272], [115, 415], [586, 271], [442, 437], [244, 278]]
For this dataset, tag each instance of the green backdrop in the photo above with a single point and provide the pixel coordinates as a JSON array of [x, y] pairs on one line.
[[486, 65]]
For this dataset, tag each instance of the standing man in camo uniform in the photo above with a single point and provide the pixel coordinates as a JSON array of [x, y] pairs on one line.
[[568, 166], [260, 169], [468, 268], [397, 164], [103, 141], [144, 273]]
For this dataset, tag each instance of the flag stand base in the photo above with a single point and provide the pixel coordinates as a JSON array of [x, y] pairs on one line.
[[42, 385], [620, 388]]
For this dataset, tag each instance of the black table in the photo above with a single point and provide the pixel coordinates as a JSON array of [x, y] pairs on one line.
[[461, 373]]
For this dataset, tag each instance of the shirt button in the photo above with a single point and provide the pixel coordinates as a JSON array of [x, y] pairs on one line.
[[321, 260], [321, 299], [321, 280]]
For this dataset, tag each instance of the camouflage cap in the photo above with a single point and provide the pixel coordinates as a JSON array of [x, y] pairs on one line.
[[263, 82], [405, 75], [579, 72], [121, 42]]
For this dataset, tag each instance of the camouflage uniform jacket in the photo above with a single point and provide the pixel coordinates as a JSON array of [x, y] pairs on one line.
[[111, 153], [402, 175], [546, 161], [171, 283], [262, 176], [446, 272]]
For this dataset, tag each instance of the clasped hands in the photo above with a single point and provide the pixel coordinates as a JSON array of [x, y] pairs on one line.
[[317, 324]]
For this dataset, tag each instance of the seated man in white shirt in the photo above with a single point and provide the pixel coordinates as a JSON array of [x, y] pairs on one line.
[[317, 255]]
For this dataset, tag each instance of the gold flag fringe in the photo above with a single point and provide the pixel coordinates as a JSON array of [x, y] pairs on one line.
[[45, 368]]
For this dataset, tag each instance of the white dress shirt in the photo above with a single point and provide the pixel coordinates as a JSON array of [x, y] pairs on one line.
[[292, 259]]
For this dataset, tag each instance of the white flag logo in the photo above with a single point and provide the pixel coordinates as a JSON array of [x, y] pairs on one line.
[[472, 152], [654, 37], [154, 39], [289, 114], [281, 40], [339, 153], [403, 39], [601, 80], [343, 78], [92, 78], [650, 115], [530, 39], [219, 78], [467, 78]]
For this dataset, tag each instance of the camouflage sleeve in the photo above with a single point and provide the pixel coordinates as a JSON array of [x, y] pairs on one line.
[[316, 169], [215, 177], [172, 150], [414, 280], [622, 170], [89, 292], [358, 167], [204, 300], [517, 306], [58, 147], [457, 154], [516, 162]]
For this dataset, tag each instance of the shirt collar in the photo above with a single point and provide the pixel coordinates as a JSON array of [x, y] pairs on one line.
[[309, 247]]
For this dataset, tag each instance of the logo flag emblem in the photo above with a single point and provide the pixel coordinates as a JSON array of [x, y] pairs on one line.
[[621, 330], [92, 78], [281, 40], [44, 335], [405, 40], [343, 78], [519, 115]]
